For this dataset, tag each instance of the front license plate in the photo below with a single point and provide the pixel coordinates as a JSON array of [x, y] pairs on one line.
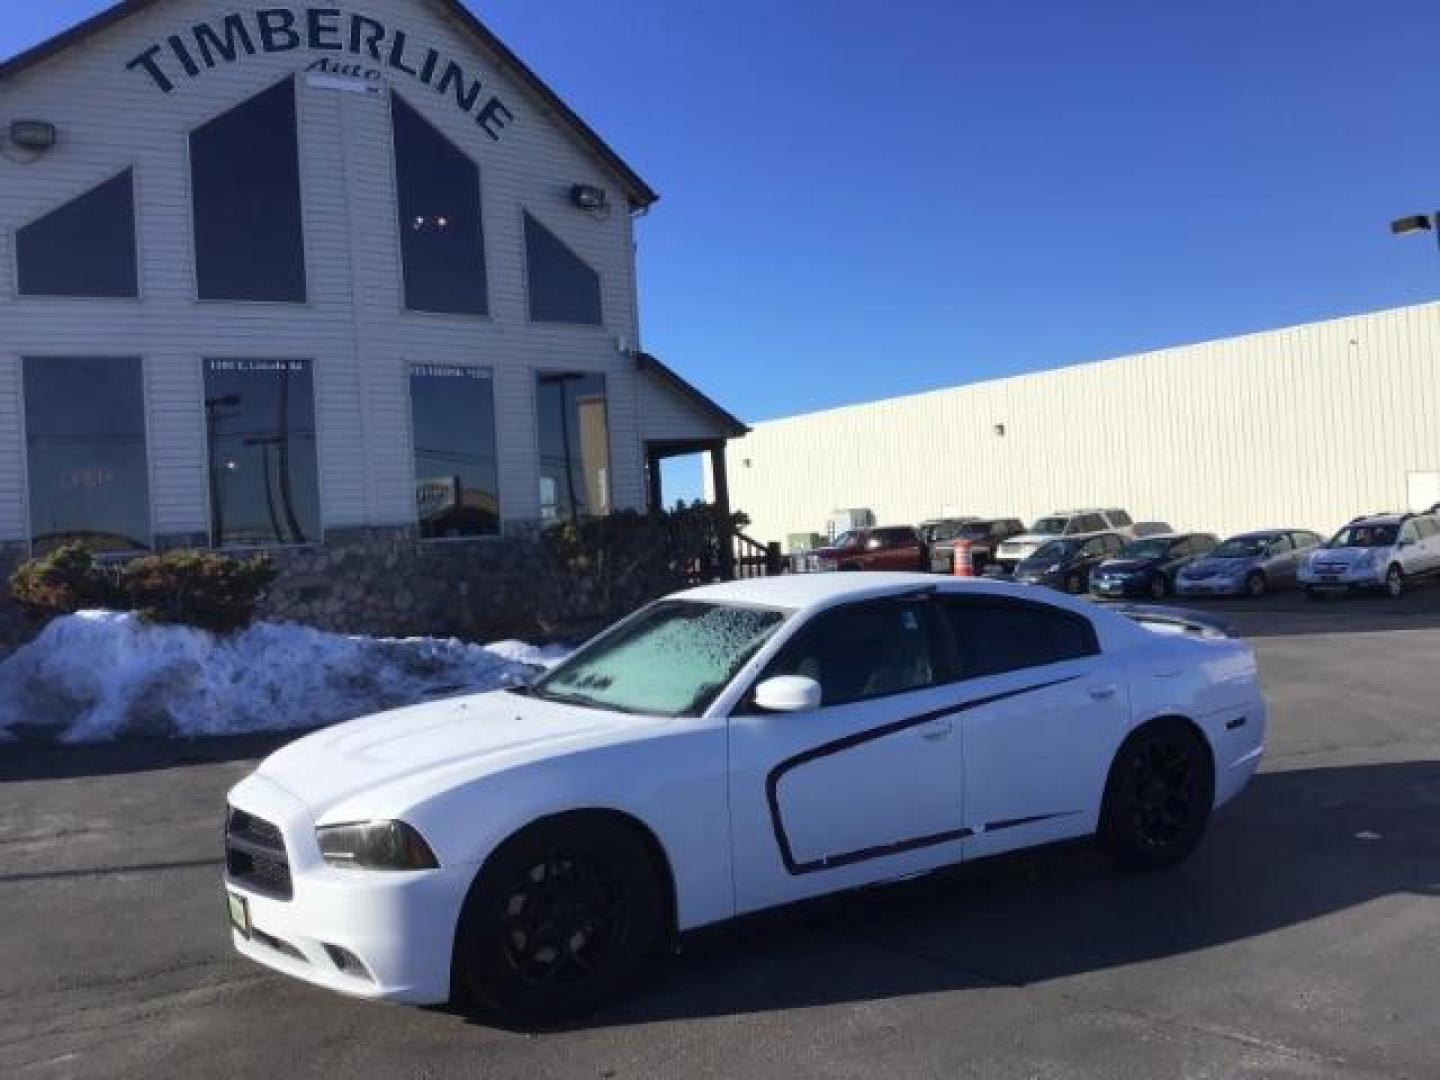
[[1330, 579], [239, 913]]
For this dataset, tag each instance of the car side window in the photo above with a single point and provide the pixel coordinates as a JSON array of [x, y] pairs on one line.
[[1280, 544], [1095, 546], [993, 636], [861, 651], [1119, 519], [1407, 533], [1427, 527], [1113, 544]]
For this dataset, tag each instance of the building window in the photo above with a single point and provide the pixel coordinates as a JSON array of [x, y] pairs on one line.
[[442, 245], [84, 248], [245, 190], [452, 410], [563, 287], [260, 419], [574, 447], [89, 480]]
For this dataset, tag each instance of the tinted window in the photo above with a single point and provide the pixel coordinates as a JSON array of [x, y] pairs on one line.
[[441, 237], [261, 417], [1095, 546], [860, 651], [245, 180], [452, 411], [1280, 544], [992, 637], [86, 452], [84, 248], [574, 446], [1119, 518], [1408, 533], [563, 288], [895, 537]]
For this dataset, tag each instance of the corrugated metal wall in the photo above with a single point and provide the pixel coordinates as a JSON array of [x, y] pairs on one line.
[[353, 327], [1305, 426]]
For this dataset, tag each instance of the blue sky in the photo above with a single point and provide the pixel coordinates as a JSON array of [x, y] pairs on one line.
[[864, 198]]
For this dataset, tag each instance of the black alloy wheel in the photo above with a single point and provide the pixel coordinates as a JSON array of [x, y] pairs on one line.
[[561, 919], [1158, 797], [1394, 583], [1255, 585]]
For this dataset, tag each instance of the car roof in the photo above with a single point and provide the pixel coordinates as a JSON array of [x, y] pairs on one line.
[[804, 591], [1380, 519]]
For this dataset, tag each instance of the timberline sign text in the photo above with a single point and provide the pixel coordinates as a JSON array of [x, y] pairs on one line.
[[315, 29]]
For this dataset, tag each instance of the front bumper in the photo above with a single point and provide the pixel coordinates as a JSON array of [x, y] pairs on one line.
[[400, 925], [1116, 586], [1344, 580], [1212, 586]]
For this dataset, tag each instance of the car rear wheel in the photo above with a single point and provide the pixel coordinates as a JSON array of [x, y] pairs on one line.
[[1158, 796], [1255, 585], [561, 919], [1394, 582]]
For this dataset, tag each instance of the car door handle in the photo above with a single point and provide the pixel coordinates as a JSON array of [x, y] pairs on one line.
[[940, 729], [1102, 691]]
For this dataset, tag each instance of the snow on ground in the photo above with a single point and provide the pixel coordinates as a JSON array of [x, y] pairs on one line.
[[103, 675]]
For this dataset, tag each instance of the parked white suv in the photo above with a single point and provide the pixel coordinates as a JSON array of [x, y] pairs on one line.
[[1377, 551], [1067, 523]]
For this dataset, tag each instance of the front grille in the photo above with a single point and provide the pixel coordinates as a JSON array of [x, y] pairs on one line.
[[255, 854]]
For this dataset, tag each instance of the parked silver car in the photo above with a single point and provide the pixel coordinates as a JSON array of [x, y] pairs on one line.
[[1250, 564]]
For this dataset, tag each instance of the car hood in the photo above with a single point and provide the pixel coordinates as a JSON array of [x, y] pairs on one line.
[[1028, 540], [1126, 566], [426, 748]]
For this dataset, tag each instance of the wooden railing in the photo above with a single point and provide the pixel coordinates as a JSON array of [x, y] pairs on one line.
[[753, 559]]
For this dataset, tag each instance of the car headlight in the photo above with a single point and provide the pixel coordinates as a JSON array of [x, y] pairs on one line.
[[375, 845]]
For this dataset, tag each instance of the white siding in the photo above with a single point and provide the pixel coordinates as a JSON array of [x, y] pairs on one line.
[[353, 327], [1303, 427], [669, 416]]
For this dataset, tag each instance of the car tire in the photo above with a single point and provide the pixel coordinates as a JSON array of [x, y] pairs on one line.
[[1256, 585], [1158, 588], [1394, 582], [1158, 796], [561, 919]]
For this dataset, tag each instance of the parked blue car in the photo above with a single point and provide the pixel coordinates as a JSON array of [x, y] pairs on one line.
[[1250, 564], [1148, 567]]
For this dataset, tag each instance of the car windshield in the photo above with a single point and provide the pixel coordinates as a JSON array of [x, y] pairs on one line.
[[942, 530], [848, 540], [1242, 547], [978, 530], [672, 659], [1055, 551], [1050, 526], [1146, 549], [1365, 536]]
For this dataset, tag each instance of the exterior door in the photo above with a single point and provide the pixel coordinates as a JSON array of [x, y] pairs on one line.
[[865, 788], [1047, 713]]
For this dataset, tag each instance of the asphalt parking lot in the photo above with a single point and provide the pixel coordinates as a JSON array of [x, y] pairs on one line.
[[1303, 940]]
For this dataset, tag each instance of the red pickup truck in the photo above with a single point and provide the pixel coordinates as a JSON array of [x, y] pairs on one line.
[[895, 547]]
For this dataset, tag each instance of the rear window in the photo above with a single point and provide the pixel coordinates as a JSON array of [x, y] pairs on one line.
[[995, 636], [1120, 518]]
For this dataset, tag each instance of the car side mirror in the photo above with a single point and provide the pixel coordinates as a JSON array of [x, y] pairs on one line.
[[788, 694]]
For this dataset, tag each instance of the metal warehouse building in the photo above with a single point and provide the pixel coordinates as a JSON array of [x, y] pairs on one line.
[[1302, 427], [285, 276]]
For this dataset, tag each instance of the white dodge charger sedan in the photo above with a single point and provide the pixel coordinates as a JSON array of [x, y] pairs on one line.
[[727, 749]]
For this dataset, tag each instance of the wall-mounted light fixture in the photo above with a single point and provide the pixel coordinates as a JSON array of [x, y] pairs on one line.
[[588, 197], [34, 135], [999, 430]]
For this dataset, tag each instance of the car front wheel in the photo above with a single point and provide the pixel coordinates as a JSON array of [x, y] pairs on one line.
[[562, 918], [1158, 796], [1255, 585], [1394, 582]]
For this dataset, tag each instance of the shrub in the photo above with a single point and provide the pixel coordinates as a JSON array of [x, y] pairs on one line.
[[192, 588], [197, 588], [64, 581]]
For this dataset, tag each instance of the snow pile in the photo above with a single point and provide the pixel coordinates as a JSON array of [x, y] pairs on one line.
[[102, 675]]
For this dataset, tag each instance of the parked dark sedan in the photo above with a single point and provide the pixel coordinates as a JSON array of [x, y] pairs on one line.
[[1066, 564], [1148, 567]]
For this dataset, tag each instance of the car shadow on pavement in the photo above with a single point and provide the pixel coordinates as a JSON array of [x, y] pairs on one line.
[[43, 760], [1291, 613], [1295, 847]]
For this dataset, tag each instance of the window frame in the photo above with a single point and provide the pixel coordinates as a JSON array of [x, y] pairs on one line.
[[953, 658], [535, 375], [305, 223], [488, 315], [322, 524], [133, 168], [407, 368], [584, 327], [24, 432]]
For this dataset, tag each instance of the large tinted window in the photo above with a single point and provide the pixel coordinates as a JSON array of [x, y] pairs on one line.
[[452, 411], [84, 248], [574, 446], [245, 191], [992, 637], [85, 441], [441, 237], [861, 651], [261, 419], [563, 287]]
